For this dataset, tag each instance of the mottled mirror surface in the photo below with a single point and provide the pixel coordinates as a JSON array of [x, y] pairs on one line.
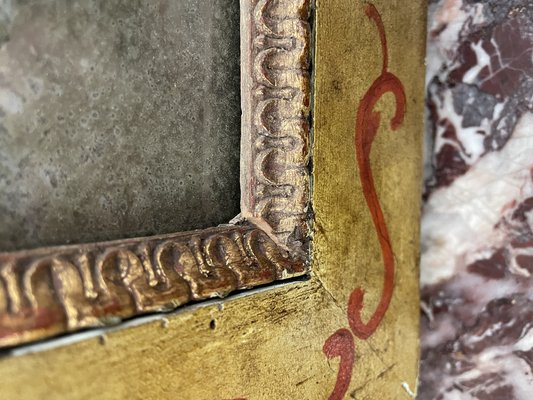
[[117, 118]]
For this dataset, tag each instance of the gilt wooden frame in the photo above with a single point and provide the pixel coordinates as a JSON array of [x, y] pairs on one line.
[[55, 290], [350, 329]]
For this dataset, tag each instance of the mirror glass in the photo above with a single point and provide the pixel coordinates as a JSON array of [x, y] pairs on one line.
[[118, 118]]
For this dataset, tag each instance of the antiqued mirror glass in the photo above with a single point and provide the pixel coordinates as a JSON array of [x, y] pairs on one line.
[[118, 118]]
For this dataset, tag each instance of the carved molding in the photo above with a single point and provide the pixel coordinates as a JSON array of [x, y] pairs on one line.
[[49, 291], [275, 93]]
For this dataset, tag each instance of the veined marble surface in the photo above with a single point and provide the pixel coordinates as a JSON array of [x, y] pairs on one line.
[[477, 226]]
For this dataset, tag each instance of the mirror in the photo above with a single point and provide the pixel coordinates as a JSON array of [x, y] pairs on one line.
[[118, 118]]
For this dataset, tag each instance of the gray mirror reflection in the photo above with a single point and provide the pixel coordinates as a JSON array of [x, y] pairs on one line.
[[118, 118]]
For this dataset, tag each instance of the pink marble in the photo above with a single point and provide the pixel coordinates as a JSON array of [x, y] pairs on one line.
[[477, 225]]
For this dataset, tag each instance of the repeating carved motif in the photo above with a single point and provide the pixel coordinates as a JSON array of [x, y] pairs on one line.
[[47, 291], [275, 94]]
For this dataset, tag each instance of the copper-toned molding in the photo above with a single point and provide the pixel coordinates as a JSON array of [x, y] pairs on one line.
[[62, 289], [49, 291]]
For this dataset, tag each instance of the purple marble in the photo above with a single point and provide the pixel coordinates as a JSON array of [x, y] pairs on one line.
[[477, 225]]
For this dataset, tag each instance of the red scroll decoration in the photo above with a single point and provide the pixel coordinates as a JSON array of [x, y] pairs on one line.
[[341, 343]]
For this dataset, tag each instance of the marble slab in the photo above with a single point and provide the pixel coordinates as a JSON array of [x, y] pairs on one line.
[[118, 118], [477, 237]]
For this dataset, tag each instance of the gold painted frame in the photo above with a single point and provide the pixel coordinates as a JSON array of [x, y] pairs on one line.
[[50, 291], [301, 339]]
